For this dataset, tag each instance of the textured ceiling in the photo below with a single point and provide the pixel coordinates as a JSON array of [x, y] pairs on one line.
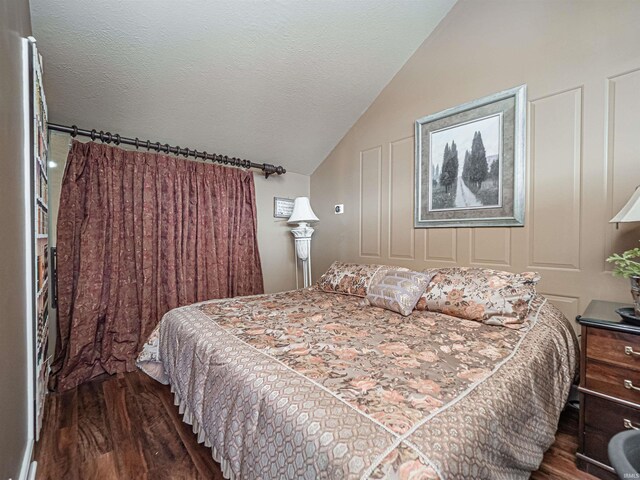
[[271, 81]]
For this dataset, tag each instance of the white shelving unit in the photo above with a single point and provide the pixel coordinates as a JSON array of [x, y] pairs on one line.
[[39, 146]]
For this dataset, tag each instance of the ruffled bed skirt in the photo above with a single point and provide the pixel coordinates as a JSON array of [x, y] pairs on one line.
[[189, 419], [149, 362]]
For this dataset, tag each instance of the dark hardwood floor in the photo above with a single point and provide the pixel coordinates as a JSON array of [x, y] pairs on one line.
[[120, 427], [127, 427]]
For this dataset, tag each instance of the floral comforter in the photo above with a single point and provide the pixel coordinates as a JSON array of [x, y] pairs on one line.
[[307, 384]]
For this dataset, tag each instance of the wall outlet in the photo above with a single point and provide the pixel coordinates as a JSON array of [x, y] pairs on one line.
[[338, 209]]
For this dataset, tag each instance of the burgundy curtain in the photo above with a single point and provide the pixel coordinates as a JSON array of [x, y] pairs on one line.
[[140, 234]]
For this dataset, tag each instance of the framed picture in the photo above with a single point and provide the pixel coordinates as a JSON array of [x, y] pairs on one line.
[[470, 164], [282, 207]]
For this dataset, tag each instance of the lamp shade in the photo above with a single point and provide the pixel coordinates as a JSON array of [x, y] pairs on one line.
[[302, 211], [630, 212]]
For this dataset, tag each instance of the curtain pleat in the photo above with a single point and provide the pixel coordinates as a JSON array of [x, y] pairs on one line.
[[139, 234]]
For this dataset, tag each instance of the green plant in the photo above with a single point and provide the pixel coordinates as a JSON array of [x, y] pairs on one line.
[[626, 264]]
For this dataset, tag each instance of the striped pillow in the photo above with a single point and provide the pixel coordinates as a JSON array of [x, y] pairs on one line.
[[399, 291]]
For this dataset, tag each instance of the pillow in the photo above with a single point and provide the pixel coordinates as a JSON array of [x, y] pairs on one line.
[[490, 296], [399, 291], [352, 278]]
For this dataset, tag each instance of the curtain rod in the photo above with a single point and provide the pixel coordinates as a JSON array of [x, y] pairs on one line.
[[117, 139]]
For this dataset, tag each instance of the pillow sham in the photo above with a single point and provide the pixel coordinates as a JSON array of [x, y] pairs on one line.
[[352, 278], [491, 296], [399, 291]]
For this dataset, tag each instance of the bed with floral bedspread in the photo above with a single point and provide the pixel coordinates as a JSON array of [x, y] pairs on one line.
[[308, 384]]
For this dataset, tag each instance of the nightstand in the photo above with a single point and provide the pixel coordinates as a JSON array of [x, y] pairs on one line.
[[609, 383]]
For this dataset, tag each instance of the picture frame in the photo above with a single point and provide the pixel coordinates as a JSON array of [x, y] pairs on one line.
[[470, 164], [282, 207]]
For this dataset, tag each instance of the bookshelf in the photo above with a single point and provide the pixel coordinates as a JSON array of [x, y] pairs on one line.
[[40, 227]]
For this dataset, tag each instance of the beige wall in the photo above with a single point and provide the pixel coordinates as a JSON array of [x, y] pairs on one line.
[[274, 235], [15, 24], [581, 62]]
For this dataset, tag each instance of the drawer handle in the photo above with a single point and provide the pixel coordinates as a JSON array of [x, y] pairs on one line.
[[628, 384], [627, 424], [629, 351]]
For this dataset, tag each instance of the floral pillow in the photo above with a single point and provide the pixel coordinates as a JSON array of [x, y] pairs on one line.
[[490, 296], [352, 278], [399, 291]]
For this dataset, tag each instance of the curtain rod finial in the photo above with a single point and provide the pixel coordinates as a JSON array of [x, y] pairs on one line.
[[270, 169]]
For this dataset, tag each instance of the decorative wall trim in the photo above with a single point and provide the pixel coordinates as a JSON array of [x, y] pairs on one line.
[[503, 257], [396, 213], [370, 201], [442, 233], [555, 204], [568, 305], [611, 162]]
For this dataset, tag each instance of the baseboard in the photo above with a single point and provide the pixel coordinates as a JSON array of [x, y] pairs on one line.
[[32, 470], [25, 468]]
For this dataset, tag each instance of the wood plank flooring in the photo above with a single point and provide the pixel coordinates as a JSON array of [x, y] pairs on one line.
[[126, 427], [120, 427]]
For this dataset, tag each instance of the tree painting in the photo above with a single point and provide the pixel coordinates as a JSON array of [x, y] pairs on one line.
[[449, 166], [478, 168], [477, 183], [470, 163]]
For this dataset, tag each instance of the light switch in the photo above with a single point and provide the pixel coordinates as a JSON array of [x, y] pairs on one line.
[[339, 209]]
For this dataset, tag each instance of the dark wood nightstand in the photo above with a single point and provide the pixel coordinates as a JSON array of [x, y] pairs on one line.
[[609, 383]]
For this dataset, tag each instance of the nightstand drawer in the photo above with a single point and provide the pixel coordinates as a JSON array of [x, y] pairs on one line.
[[607, 406], [603, 419], [613, 381], [618, 348]]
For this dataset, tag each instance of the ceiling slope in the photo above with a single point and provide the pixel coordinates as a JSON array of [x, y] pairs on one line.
[[271, 81]]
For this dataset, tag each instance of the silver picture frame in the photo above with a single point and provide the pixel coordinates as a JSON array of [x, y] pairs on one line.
[[456, 198], [282, 207]]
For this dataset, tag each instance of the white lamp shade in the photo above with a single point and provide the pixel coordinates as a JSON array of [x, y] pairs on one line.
[[302, 211], [630, 212]]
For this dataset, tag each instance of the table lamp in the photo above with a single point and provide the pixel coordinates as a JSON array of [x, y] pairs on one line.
[[302, 215], [627, 262]]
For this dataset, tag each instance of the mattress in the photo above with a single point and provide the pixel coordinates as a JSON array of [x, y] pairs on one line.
[[308, 384]]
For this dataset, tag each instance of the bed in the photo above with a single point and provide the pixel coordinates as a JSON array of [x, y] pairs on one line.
[[309, 384]]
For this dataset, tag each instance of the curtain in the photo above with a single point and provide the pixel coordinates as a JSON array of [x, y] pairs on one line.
[[139, 234]]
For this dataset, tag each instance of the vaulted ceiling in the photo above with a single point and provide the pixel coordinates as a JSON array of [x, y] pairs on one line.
[[278, 81]]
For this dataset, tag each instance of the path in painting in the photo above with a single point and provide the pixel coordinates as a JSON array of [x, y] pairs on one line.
[[465, 197]]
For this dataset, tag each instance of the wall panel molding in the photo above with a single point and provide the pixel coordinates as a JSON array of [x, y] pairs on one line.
[[569, 306], [623, 164], [370, 202], [490, 246], [555, 143], [582, 160], [440, 245], [401, 232]]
